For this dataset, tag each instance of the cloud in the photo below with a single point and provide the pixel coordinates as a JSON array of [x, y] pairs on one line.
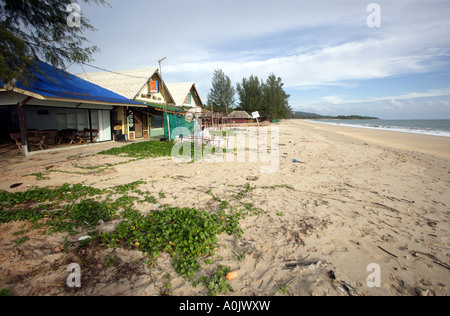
[[387, 56], [325, 46], [397, 104], [391, 99], [333, 99], [307, 43], [433, 104]]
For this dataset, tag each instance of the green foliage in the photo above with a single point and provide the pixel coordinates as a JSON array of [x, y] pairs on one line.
[[21, 240], [46, 203], [167, 288], [240, 256], [251, 94], [221, 96], [66, 192], [217, 283], [277, 100], [31, 30], [154, 149], [122, 189], [39, 176], [283, 290], [268, 98], [5, 292], [87, 213], [150, 149], [186, 234], [246, 189]]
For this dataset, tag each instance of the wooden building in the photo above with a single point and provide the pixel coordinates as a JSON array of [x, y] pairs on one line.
[[56, 101], [141, 85]]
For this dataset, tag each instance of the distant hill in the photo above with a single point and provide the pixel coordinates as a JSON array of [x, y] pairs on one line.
[[314, 116]]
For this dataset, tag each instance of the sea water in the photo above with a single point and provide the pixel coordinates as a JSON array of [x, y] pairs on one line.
[[425, 127]]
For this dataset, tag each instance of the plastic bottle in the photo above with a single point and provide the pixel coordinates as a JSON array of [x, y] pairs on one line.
[[232, 275]]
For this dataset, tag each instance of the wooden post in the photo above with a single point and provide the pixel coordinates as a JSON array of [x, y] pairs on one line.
[[23, 130], [90, 124], [23, 125]]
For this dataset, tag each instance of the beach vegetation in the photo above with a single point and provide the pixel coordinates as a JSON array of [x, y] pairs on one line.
[[154, 149], [186, 234], [166, 290], [217, 282], [5, 292], [283, 290], [148, 149]]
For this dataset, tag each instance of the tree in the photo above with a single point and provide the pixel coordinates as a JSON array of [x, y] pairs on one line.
[[221, 95], [251, 94], [44, 30], [276, 99]]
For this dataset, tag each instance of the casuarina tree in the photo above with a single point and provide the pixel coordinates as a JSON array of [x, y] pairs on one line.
[[48, 30], [276, 99], [250, 93], [221, 95]]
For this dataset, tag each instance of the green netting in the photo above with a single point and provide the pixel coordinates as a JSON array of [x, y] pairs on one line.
[[176, 121]]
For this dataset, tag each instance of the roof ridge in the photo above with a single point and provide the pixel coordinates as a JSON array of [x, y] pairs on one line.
[[108, 79]]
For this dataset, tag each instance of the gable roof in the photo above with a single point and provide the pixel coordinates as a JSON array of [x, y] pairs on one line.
[[240, 114], [181, 90], [54, 84], [127, 83]]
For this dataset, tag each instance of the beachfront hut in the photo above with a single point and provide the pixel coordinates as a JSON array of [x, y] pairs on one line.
[[185, 95], [142, 85], [54, 102], [240, 117]]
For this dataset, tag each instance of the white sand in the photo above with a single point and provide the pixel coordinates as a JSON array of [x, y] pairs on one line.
[[362, 197]]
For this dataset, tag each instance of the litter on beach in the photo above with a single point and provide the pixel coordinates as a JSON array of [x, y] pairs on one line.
[[232, 275], [298, 161]]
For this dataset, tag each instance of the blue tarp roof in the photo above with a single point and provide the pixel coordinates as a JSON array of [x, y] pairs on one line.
[[56, 83]]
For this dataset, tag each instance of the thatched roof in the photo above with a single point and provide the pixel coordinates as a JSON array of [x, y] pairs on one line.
[[241, 115]]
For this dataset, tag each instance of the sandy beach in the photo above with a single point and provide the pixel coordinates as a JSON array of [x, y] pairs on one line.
[[361, 198]]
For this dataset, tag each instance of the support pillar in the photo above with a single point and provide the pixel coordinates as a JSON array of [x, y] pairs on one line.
[[23, 125]]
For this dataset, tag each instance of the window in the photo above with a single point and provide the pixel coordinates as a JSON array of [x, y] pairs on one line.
[[188, 99], [157, 122]]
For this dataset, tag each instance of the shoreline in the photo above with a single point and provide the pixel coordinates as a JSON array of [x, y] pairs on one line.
[[392, 129], [426, 144]]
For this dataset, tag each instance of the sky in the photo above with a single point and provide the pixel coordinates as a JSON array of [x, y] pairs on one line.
[[335, 57]]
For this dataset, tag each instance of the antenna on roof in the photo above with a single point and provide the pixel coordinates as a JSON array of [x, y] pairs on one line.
[[159, 62]]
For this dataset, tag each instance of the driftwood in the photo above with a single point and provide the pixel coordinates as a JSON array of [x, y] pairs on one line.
[[432, 257], [301, 263], [388, 252], [386, 207]]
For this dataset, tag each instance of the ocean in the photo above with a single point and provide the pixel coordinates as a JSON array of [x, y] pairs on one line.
[[425, 127]]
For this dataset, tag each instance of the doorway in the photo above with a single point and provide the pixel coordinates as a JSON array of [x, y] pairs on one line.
[[138, 124]]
